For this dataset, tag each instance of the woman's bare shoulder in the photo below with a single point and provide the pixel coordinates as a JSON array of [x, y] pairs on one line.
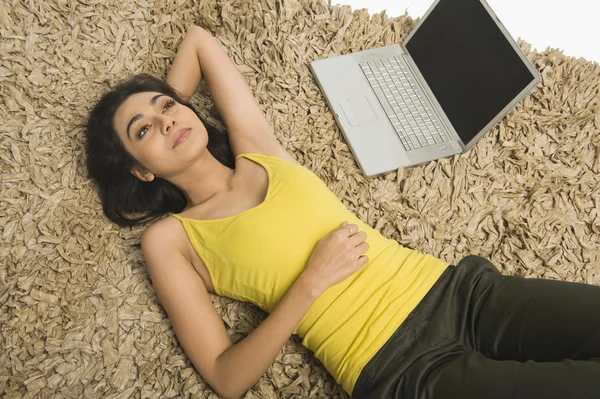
[[166, 232]]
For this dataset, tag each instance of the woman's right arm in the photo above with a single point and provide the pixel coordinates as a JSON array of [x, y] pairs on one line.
[[230, 369]]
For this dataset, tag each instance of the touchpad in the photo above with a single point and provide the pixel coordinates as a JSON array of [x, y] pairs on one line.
[[358, 110]]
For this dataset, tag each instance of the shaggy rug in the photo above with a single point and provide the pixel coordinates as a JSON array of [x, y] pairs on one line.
[[79, 316]]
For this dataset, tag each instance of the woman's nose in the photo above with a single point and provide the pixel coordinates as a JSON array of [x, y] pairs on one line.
[[169, 125]]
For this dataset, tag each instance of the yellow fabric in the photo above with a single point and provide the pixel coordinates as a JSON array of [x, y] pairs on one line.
[[255, 256]]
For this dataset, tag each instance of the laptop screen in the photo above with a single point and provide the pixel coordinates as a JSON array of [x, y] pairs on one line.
[[469, 65]]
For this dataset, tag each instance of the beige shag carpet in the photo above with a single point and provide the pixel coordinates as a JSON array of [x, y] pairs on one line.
[[79, 317]]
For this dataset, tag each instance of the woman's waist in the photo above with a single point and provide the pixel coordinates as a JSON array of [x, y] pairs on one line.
[[351, 330]]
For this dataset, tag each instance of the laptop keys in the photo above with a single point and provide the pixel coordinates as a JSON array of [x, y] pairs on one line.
[[397, 93]]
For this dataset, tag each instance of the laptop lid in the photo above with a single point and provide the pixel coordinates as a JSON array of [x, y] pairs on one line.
[[473, 67]]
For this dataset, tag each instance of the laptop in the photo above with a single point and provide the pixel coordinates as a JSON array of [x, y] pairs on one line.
[[455, 76]]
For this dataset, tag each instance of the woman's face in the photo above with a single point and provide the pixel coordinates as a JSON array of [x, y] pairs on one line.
[[148, 123]]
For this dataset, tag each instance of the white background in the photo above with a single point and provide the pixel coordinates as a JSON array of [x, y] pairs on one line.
[[572, 26]]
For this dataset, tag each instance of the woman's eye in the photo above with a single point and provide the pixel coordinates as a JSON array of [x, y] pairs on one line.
[[143, 131], [169, 104]]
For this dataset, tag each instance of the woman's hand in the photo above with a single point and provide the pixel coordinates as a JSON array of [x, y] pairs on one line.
[[336, 257]]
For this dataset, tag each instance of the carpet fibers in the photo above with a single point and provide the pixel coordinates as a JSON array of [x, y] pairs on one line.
[[78, 314]]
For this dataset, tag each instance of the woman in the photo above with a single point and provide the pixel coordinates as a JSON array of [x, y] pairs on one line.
[[386, 321]]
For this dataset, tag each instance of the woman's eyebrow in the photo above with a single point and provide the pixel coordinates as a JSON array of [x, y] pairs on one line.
[[138, 116]]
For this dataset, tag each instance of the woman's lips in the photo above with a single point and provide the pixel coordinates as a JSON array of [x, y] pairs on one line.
[[184, 135]]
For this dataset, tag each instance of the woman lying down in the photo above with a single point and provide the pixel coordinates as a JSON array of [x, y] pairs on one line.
[[237, 215]]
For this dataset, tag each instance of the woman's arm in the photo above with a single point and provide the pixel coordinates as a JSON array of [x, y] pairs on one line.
[[185, 73], [230, 369], [245, 363], [201, 55]]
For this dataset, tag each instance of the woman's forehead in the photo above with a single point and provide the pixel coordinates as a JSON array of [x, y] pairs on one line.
[[138, 100]]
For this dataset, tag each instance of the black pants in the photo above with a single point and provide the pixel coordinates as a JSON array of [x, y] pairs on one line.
[[480, 334]]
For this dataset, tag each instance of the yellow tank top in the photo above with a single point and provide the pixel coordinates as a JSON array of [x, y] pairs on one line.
[[256, 255]]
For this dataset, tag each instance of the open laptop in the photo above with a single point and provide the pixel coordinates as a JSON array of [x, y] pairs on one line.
[[455, 76]]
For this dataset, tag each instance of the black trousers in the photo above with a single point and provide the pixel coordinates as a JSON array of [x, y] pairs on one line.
[[480, 334]]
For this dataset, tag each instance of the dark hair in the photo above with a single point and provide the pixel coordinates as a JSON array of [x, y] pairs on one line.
[[109, 163]]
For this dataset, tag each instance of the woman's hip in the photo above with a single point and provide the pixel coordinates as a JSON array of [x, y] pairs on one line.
[[431, 334]]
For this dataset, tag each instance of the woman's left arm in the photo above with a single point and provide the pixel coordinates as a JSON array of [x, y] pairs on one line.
[[185, 73]]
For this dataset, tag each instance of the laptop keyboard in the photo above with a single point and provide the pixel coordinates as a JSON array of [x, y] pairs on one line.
[[396, 90]]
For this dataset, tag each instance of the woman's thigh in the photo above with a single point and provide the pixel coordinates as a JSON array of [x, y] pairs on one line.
[[523, 319], [521, 337], [473, 375]]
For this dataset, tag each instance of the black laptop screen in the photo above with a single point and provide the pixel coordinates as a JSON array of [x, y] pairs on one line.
[[469, 65]]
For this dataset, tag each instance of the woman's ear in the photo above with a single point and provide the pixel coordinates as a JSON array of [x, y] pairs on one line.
[[142, 173]]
